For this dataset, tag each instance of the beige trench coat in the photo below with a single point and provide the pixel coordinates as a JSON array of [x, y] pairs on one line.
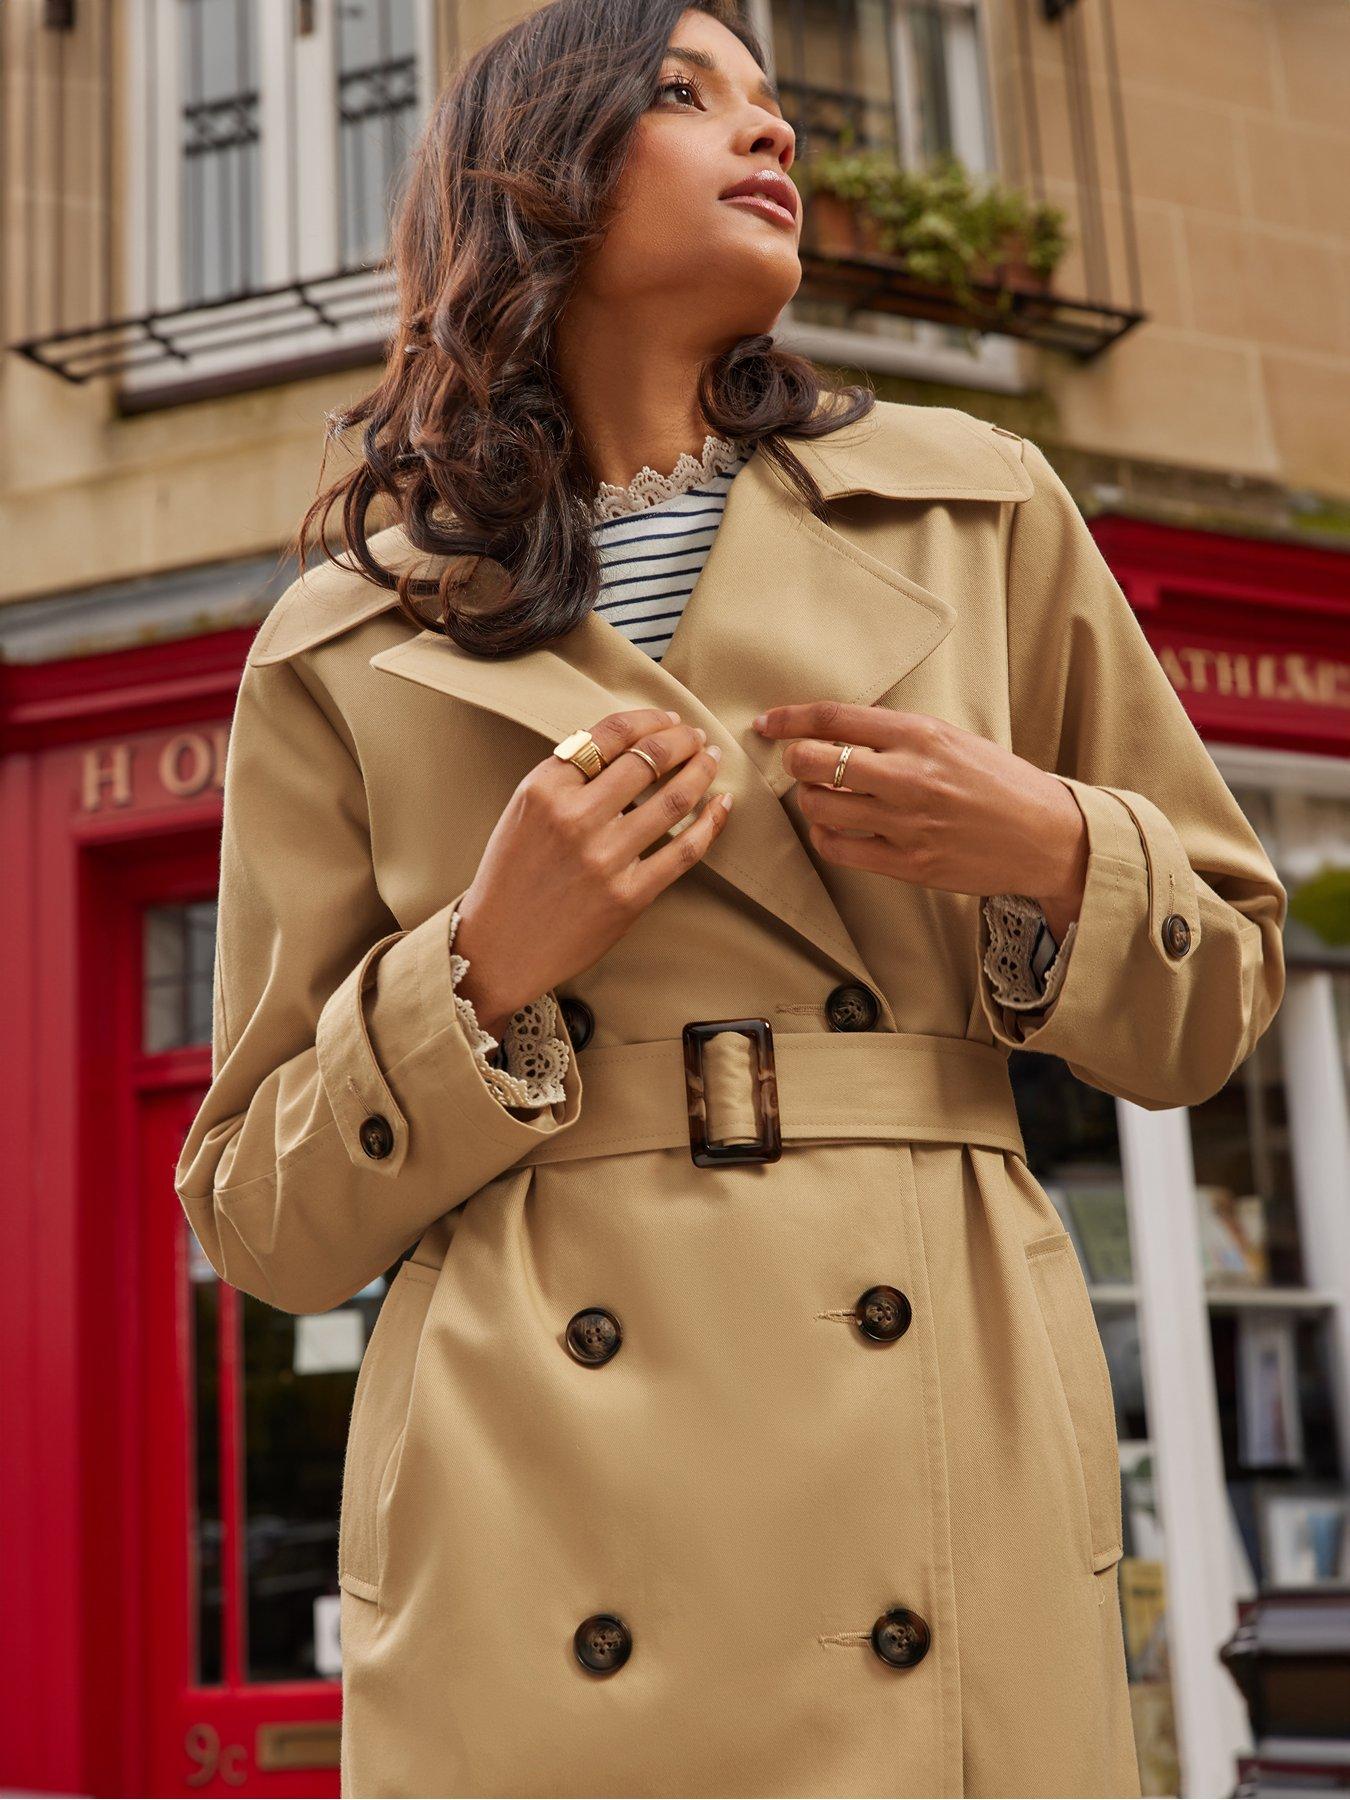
[[758, 1465]]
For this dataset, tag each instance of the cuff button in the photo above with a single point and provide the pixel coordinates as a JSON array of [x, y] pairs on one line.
[[1176, 935], [377, 1135]]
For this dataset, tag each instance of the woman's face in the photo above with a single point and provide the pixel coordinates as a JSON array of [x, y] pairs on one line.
[[729, 266]]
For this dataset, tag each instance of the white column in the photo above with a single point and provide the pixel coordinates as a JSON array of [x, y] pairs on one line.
[[1183, 1424]]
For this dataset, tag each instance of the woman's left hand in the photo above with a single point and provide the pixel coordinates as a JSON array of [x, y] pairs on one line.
[[944, 807]]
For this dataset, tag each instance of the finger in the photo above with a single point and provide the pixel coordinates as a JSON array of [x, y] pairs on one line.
[[652, 874], [628, 777], [874, 725], [842, 811], [613, 734], [871, 853], [664, 808], [810, 760]]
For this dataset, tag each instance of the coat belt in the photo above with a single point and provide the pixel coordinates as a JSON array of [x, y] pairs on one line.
[[890, 1086]]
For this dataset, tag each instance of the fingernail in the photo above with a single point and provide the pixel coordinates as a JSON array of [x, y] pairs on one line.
[[726, 800], [672, 714], [715, 751], [700, 734], [760, 721]]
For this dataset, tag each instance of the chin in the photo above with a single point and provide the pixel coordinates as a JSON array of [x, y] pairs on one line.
[[767, 273]]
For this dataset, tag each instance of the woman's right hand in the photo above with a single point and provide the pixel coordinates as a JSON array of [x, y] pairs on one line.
[[562, 877]]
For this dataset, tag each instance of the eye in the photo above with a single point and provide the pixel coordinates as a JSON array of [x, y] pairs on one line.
[[681, 81]]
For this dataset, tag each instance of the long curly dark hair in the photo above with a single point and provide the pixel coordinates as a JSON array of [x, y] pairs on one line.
[[467, 432]]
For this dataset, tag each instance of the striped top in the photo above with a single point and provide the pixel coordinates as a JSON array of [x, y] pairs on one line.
[[654, 540]]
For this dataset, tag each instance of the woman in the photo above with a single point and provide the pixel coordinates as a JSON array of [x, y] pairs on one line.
[[736, 1421]]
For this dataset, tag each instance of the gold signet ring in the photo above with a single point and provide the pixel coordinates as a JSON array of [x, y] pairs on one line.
[[580, 747]]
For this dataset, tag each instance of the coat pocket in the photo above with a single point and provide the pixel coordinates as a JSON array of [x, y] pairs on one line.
[[379, 1416], [1066, 1308]]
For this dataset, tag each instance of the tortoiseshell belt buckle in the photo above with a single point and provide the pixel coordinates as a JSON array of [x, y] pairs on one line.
[[768, 1146]]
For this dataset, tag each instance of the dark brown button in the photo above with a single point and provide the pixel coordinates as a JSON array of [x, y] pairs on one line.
[[376, 1135], [901, 1638], [593, 1335], [852, 1007], [579, 1020], [1176, 935], [602, 1642], [883, 1313]]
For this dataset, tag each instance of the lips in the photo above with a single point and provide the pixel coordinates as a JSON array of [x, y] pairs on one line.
[[768, 191]]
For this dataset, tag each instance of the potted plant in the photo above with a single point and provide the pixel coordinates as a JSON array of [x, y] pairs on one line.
[[1022, 241], [934, 221], [843, 190]]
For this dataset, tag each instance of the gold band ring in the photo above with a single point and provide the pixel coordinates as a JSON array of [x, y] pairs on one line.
[[580, 748], [634, 751], [842, 764]]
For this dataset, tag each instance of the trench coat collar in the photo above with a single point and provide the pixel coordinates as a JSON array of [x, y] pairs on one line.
[[786, 608]]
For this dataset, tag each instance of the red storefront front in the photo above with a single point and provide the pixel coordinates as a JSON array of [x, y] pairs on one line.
[[172, 1448]]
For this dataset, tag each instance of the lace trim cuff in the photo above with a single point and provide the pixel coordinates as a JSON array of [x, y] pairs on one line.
[[536, 1055], [1014, 921]]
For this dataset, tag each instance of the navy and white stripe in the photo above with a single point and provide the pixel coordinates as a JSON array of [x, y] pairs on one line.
[[650, 560]]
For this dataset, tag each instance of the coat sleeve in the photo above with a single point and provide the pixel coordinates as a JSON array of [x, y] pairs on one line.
[[1178, 960], [346, 1110]]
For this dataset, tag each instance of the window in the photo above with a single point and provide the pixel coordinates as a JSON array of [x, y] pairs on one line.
[[268, 144], [178, 954], [903, 76], [906, 77]]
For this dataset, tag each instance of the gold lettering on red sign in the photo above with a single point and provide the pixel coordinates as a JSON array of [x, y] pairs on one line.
[[1288, 676], [190, 762], [107, 769]]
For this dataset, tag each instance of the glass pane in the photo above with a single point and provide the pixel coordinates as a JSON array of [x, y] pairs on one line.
[[377, 114], [205, 1519], [220, 175], [178, 949], [834, 65], [300, 1379], [932, 91], [1245, 1178], [1282, 1459]]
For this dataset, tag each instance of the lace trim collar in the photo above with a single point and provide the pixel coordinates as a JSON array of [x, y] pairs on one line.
[[649, 488]]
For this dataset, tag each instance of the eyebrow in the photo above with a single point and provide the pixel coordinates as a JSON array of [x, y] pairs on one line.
[[702, 60]]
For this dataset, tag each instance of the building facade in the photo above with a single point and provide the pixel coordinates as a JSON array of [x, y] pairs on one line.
[[194, 199]]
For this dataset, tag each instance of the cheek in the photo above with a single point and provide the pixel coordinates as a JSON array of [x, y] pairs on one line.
[[667, 199]]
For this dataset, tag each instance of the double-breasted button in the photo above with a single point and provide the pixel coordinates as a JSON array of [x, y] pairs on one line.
[[1176, 935], [602, 1643], [852, 1007], [901, 1638], [593, 1335], [883, 1313], [578, 1018], [376, 1135]]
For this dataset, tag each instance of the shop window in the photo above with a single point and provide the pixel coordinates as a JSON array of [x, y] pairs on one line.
[[178, 960], [1269, 1158]]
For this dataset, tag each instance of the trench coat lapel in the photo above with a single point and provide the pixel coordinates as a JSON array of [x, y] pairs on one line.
[[785, 609]]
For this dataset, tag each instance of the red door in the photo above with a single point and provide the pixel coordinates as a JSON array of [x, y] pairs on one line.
[[244, 1412]]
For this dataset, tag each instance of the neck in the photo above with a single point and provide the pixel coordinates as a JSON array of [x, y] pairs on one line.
[[631, 394]]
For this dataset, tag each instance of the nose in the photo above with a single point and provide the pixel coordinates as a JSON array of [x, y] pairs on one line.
[[771, 133]]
